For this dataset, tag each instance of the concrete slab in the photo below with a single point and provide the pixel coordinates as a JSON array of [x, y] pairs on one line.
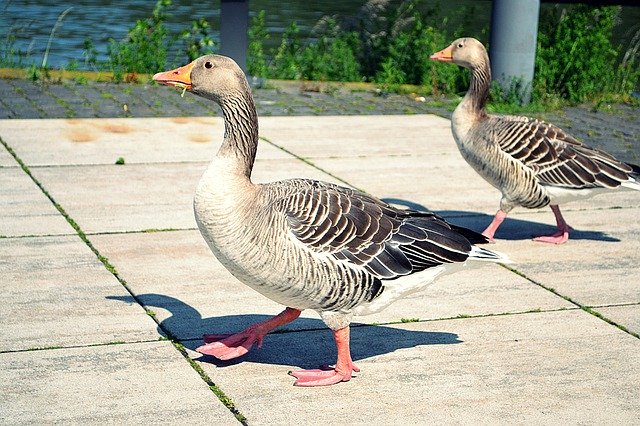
[[560, 367], [6, 159], [196, 295], [598, 266], [418, 181], [24, 208], [55, 294], [626, 316], [104, 140], [110, 198], [145, 383], [355, 136]]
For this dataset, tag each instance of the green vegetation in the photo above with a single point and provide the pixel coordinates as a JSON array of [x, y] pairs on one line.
[[386, 43], [575, 55]]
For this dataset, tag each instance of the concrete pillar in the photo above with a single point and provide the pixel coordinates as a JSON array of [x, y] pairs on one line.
[[234, 27], [514, 31]]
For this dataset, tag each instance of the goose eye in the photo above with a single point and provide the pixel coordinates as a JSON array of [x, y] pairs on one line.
[[208, 65], [460, 45]]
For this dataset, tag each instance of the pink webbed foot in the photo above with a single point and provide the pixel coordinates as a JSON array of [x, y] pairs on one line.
[[225, 346], [559, 237], [323, 376], [562, 235], [327, 375]]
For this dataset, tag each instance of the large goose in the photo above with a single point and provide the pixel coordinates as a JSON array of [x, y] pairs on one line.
[[307, 244], [531, 162]]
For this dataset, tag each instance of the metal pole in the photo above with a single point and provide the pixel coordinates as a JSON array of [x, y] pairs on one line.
[[514, 30], [234, 27]]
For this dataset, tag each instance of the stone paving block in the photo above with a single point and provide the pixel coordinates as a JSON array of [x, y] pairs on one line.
[[6, 159], [55, 293], [418, 182], [360, 136], [144, 196], [597, 266], [627, 316], [24, 208], [103, 141], [145, 383], [542, 368], [176, 275]]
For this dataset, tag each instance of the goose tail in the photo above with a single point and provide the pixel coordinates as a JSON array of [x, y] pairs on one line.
[[634, 178], [484, 255]]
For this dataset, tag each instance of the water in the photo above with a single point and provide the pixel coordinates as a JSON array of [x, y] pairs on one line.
[[31, 21]]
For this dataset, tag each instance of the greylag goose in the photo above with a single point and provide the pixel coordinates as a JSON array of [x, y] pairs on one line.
[[533, 163], [307, 244]]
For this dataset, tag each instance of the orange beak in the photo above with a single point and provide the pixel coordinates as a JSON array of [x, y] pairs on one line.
[[180, 77], [445, 55]]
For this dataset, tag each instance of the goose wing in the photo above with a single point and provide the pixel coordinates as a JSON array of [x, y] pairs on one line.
[[555, 157], [367, 233]]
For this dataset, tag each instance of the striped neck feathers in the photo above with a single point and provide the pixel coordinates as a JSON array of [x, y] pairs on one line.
[[240, 129], [478, 93]]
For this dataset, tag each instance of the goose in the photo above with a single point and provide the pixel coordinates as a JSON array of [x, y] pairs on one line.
[[307, 244], [533, 163]]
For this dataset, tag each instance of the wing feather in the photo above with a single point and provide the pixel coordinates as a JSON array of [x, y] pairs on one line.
[[367, 233], [555, 157]]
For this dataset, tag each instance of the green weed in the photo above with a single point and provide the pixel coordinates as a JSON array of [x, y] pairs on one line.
[[198, 40], [144, 50], [256, 58]]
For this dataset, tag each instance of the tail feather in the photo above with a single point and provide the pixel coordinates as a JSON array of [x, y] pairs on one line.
[[482, 254], [634, 178]]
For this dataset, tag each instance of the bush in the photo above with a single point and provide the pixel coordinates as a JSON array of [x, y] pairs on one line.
[[575, 54], [145, 48], [198, 40], [256, 59]]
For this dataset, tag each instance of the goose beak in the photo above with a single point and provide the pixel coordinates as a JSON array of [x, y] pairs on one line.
[[445, 55], [180, 77]]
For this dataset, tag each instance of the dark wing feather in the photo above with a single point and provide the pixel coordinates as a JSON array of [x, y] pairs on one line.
[[556, 157], [366, 232]]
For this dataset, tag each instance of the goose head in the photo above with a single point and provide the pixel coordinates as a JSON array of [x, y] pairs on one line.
[[213, 77], [466, 52]]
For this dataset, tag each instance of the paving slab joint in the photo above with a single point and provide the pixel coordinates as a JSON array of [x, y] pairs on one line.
[[224, 399], [310, 163], [585, 308]]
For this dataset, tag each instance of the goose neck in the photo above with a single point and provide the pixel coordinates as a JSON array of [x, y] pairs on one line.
[[480, 84], [240, 130]]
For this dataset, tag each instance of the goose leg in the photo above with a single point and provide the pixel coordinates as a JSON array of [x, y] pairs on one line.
[[328, 376], [223, 346], [493, 226], [562, 235]]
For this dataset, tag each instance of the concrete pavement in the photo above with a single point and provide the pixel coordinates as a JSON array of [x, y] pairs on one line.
[[108, 287]]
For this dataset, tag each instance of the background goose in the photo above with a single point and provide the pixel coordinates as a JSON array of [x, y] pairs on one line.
[[307, 244], [531, 162]]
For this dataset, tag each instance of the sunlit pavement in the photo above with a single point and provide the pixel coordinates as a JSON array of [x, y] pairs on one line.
[[108, 286]]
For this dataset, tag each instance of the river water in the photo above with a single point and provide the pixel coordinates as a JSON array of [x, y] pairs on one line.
[[32, 21]]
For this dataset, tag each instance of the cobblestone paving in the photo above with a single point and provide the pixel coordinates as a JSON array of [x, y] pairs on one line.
[[614, 128]]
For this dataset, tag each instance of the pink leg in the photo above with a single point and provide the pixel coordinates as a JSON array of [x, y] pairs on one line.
[[226, 347], [562, 235], [493, 226], [329, 376]]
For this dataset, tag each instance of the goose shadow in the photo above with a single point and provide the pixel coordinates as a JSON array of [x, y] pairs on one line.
[[306, 342], [512, 229]]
